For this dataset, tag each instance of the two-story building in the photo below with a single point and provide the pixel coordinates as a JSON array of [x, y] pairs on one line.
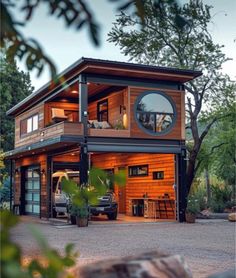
[[111, 115]]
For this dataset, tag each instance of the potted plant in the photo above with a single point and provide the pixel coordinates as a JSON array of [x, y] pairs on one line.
[[192, 209]]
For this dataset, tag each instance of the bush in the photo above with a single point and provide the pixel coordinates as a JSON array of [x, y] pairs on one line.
[[222, 198]]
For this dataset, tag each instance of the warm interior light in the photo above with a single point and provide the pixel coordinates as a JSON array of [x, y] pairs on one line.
[[74, 92]]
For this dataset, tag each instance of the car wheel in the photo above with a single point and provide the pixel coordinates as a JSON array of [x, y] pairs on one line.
[[112, 216], [54, 213]]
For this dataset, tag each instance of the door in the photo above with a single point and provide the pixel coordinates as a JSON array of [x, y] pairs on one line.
[[122, 195], [32, 190]]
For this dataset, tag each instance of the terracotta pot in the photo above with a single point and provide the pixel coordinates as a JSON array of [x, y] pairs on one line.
[[81, 222], [190, 218]]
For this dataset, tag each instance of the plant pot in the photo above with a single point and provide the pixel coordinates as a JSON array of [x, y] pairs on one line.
[[73, 219], [82, 222], [190, 217]]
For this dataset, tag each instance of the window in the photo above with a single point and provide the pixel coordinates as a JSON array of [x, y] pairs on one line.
[[102, 110], [138, 171], [30, 124], [158, 175], [155, 113]]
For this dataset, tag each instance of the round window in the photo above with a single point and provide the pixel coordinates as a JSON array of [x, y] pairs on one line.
[[155, 113]]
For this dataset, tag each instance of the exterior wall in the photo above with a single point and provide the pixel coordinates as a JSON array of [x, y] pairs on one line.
[[178, 99], [31, 137], [114, 101], [63, 105], [40, 160], [136, 187]]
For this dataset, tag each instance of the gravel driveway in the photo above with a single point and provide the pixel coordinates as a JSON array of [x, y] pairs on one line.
[[208, 245]]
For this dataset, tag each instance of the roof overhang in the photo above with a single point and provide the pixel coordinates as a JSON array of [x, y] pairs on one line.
[[113, 68]]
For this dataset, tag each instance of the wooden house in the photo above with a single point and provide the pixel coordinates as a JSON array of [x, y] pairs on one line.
[[111, 115]]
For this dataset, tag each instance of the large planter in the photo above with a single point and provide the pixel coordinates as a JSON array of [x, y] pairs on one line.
[[190, 217], [81, 222]]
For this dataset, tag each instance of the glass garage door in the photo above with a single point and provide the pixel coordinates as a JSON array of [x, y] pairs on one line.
[[32, 191]]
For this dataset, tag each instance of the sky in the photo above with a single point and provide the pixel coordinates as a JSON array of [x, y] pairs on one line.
[[65, 46]]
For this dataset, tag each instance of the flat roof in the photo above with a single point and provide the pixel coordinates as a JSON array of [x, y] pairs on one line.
[[96, 66]]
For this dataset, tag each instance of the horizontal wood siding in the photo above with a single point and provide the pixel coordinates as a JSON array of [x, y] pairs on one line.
[[22, 140], [62, 105], [62, 128], [176, 132], [136, 187]]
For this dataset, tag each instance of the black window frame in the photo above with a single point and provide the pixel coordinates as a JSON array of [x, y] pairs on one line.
[[149, 131], [100, 113], [134, 167], [156, 173]]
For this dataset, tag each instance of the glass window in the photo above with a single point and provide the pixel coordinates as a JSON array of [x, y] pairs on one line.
[[29, 125], [158, 175], [155, 112], [35, 122], [139, 170], [102, 110]]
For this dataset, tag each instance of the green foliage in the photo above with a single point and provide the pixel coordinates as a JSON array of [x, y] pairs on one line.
[[75, 14], [199, 193], [193, 206], [160, 41], [83, 195], [15, 85], [222, 197], [5, 192], [53, 266]]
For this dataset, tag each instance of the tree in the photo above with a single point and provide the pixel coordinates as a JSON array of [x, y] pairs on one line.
[[219, 148], [158, 40], [75, 14], [15, 85]]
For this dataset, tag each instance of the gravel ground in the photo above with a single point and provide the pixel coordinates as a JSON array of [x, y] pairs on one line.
[[208, 246]]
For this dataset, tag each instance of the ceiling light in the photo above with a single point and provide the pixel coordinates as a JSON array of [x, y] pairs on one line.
[[74, 92]]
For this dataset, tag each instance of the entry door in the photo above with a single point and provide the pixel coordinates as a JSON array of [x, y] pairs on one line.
[[32, 191], [122, 195]]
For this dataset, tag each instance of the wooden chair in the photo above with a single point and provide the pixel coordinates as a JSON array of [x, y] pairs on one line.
[[58, 115]]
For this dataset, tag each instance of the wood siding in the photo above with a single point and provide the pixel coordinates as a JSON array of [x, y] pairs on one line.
[[136, 187], [23, 140], [73, 107], [176, 131], [62, 128], [114, 101]]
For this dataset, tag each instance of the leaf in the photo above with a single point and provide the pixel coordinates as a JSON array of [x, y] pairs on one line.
[[69, 186]]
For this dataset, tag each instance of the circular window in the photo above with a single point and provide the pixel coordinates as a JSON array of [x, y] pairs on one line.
[[155, 113]]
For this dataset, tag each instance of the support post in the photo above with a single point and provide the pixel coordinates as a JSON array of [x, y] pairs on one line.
[[83, 164], [83, 118], [182, 185], [49, 187], [83, 102]]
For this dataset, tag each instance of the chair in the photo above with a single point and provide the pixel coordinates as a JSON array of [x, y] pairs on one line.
[[58, 115]]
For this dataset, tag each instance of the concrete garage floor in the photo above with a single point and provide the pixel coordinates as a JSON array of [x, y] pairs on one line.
[[208, 246]]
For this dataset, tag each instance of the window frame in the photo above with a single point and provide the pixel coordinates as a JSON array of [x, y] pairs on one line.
[[136, 112], [100, 113], [25, 121], [155, 175], [135, 167]]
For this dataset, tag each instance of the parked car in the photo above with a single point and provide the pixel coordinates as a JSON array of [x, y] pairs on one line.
[[60, 198], [107, 205]]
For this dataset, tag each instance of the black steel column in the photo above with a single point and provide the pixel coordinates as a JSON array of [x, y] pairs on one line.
[[11, 183], [83, 118], [182, 185], [49, 187]]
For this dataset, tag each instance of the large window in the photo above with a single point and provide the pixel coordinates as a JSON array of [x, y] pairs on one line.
[[138, 171], [155, 112], [102, 110], [30, 124]]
